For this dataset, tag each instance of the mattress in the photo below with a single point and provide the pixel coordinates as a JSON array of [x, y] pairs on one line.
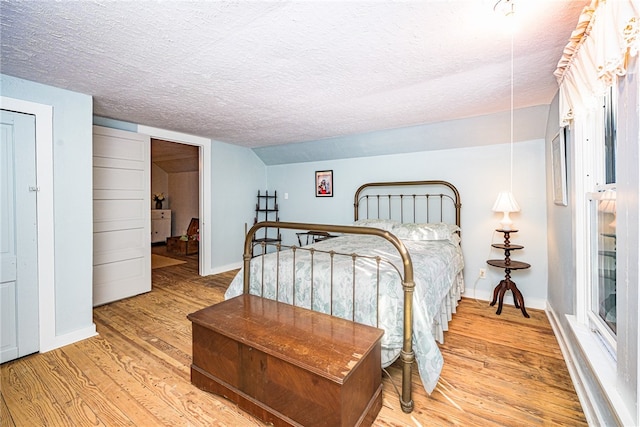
[[331, 283]]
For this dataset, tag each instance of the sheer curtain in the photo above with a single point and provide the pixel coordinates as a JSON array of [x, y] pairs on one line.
[[607, 35]]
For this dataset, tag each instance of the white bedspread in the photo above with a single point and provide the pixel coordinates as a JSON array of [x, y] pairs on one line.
[[437, 275]]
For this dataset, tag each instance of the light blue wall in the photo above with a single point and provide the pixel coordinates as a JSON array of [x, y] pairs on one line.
[[73, 198], [237, 175], [115, 124], [479, 173], [628, 231], [562, 290], [529, 124]]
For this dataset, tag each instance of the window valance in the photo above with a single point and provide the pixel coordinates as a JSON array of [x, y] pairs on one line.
[[599, 49]]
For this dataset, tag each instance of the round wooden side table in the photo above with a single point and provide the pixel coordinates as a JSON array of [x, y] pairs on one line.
[[508, 264]]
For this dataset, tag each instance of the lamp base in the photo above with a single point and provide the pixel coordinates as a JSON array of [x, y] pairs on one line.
[[506, 224]]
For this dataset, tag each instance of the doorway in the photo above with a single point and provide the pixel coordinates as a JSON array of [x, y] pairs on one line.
[[205, 194], [175, 182]]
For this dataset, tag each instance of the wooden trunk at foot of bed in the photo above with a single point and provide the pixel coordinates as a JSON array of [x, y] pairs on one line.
[[287, 365]]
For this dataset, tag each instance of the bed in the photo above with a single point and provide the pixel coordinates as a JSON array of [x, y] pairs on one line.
[[397, 267]]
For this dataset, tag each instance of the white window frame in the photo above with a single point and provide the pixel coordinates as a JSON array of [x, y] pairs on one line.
[[599, 185], [590, 179], [587, 140], [596, 324]]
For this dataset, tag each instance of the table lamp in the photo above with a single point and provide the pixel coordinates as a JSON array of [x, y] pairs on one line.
[[506, 204]]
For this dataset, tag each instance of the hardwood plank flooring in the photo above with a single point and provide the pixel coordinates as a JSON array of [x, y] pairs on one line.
[[499, 370]]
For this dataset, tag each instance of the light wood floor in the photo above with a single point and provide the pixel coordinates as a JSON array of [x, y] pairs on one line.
[[499, 370]]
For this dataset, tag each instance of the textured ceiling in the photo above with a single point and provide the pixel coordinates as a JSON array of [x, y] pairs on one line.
[[260, 73]]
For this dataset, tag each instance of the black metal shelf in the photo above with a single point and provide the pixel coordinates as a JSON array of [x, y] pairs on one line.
[[267, 210]]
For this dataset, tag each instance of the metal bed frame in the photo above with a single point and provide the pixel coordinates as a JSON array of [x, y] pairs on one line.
[[392, 202]]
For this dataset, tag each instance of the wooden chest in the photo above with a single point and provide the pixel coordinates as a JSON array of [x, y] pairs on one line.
[[187, 244], [288, 365], [178, 246]]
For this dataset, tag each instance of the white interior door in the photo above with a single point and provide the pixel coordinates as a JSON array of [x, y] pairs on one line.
[[19, 333], [121, 214]]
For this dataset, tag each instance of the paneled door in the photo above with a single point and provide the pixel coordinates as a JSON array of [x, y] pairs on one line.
[[19, 333], [121, 214]]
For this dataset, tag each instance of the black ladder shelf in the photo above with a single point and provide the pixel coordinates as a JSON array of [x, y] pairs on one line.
[[267, 210]]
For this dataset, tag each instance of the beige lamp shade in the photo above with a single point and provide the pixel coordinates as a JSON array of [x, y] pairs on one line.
[[506, 203]]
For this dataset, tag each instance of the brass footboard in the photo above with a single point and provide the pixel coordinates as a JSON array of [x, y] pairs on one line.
[[407, 355]]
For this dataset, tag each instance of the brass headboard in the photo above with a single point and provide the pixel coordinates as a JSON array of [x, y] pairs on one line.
[[397, 203]]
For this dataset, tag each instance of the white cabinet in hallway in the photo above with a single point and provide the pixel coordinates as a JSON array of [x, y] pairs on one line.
[[160, 225]]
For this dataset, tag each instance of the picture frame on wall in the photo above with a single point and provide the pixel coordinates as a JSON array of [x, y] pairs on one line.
[[324, 183], [559, 168]]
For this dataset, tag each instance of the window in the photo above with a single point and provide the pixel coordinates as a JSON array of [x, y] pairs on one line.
[[601, 223], [602, 308], [610, 136]]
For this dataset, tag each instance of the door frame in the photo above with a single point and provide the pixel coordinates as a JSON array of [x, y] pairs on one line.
[[44, 210], [204, 198]]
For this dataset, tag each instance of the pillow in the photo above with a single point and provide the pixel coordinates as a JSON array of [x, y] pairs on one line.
[[431, 231], [382, 224]]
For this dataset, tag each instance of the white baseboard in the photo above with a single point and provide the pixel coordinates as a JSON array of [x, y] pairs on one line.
[[574, 372], [483, 295], [600, 365], [70, 338], [225, 268]]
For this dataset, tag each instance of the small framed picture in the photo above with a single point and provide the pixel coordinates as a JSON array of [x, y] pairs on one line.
[[559, 166], [324, 183]]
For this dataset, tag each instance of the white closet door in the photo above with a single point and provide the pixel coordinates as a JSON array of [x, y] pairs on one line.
[[121, 218], [19, 333]]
